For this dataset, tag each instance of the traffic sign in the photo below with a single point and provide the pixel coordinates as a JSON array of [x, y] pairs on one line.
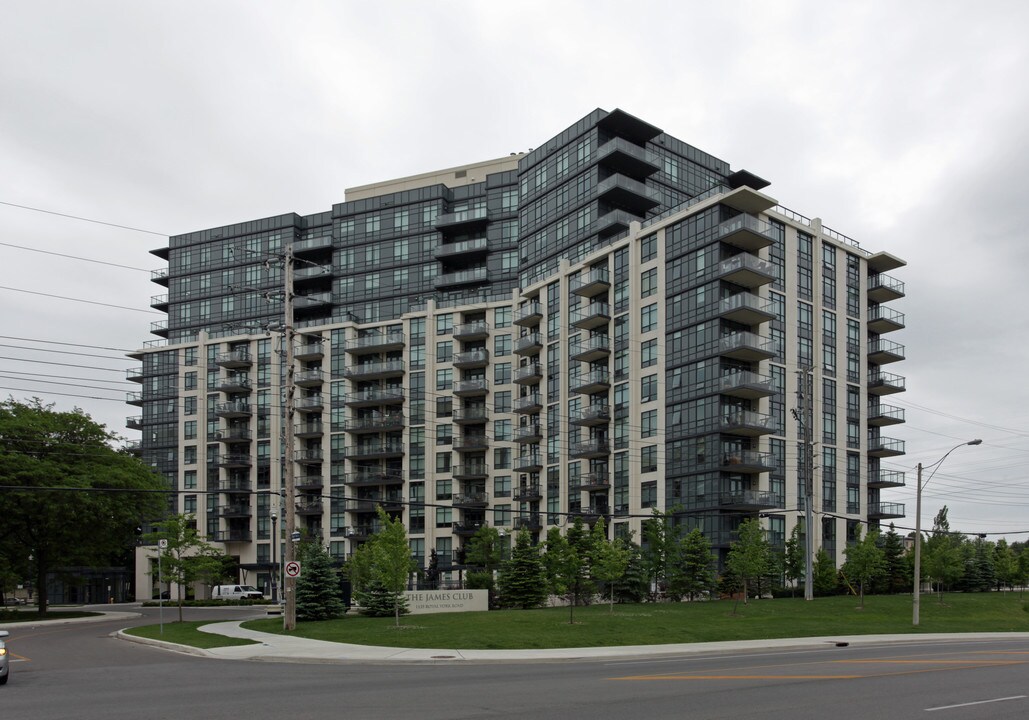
[[292, 569], [163, 543]]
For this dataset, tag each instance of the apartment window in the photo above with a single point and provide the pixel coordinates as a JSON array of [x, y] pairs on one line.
[[444, 351], [444, 379], [501, 458], [189, 455], [444, 324], [648, 282], [648, 318], [189, 430], [502, 401], [648, 388], [648, 248], [648, 353], [444, 489], [189, 405], [502, 486], [502, 373], [444, 434], [444, 517], [502, 430], [648, 458], [189, 480], [502, 345], [648, 423], [190, 381], [648, 494], [442, 464]]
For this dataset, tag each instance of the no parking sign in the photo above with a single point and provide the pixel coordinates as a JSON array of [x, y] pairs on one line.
[[292, 569]]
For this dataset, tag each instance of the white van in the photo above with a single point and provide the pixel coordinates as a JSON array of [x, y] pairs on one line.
[[236, 592]]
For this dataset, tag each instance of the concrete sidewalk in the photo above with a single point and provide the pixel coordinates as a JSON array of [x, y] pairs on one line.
[[281, 648]]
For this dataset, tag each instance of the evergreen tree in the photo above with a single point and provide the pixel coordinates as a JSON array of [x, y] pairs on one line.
[[633, 586], [865, 562], [658, 534], [522, 583], [897, 577], [318, 595], [567, 563], [794, 563], [691, 566]]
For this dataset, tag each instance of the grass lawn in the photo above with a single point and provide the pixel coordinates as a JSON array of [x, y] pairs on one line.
[[662, 623], [186, 633]]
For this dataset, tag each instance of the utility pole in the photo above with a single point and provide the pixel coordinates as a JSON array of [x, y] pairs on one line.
[[807, 473], [289, 616]]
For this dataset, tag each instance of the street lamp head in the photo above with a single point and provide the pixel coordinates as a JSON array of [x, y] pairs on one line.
[[974, 442], [273, 516]]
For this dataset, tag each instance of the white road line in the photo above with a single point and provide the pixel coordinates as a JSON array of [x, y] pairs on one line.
[[978, 702]]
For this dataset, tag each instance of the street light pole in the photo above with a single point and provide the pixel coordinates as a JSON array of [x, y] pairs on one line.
[[275, 565], [917, 592]]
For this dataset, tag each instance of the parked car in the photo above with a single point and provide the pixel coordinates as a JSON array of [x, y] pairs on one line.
[[15, 601], [5, 663]]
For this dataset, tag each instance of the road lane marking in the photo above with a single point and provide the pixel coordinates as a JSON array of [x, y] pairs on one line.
[[978, 702], [741, 677]]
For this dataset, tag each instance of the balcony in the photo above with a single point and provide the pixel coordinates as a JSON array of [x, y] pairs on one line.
[[746, 232], [159, 276], [746, 346], [475, 276], [746, 462], [231, 486], [589, 482], [311, 272], [529, 344], [475, 216], [470, 443], [309, 403], [528, 463], [134, 374], [613, 222], [748, 501], [311, 429], [528, 434], [322, 242], [746, 384], [309, 351], [745, 308], [591, 316], [747, 270], [308, 378], [476, 330], [159, 302], [470, 471], [626, 158], [377, 396], [309, 507], [390, 422], [590, 382], [474, 248], [233, 434], [884, 383], [885, 511], [528, 404], [235, 510], [374, 370], [883, 319], [624, 192], [233, 384], [363, 531], [389, 501], [589, 515], [470, 415], [530, 374], [880, 415], [466, 528], [134, 422], [471, 359], [470, 500], [134, 447], [471, 388], [590, 283], [885, 447], [882, 351], [528, 315], [372, 451], [314, 300], [886, 478], [593, 448], [233, 460], [883, 288], [596, 414], [532, 492], [239, 358], [375, 343], [311, 456], [369, 478], [233, 409], [532, 523], [746, 423], [230, 536], [309, 483], [595, 347]]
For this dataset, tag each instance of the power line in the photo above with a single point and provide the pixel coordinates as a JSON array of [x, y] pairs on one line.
[[83, 219], [57, 342], [57, 382], [67, 352], [73, 257], [48, 392], [90, 302], [65, 377], [50, 362]]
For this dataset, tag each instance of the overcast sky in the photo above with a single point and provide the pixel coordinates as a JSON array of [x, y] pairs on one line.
[[900, 124]]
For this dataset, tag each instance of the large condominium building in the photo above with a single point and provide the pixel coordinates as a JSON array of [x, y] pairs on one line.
[[611, 324]]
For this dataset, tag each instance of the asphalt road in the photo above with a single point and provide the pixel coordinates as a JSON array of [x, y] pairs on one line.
[[79, 671]]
